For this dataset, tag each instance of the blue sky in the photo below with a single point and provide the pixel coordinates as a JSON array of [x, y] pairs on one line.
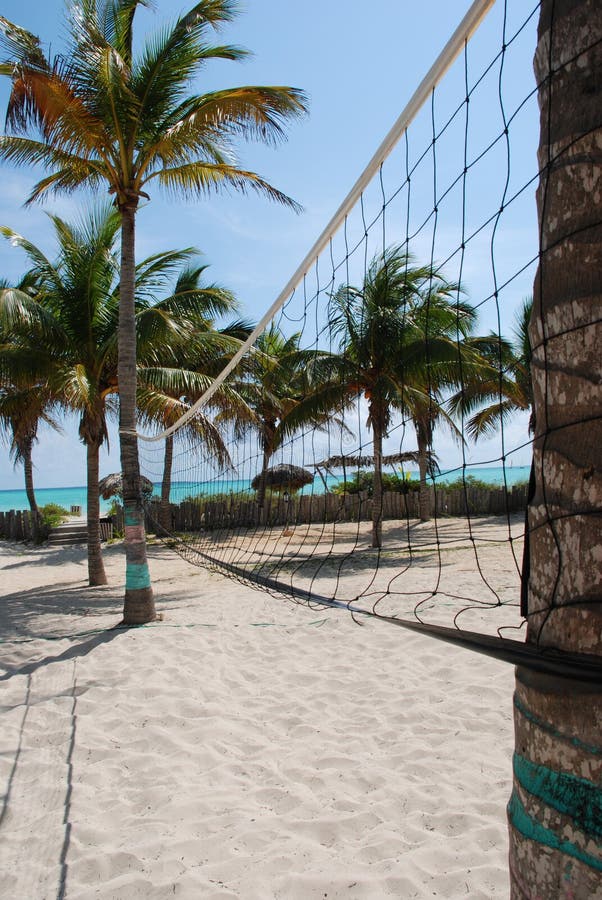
[[359, 64]]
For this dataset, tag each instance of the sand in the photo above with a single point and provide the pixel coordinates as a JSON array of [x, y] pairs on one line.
[[244, 747]]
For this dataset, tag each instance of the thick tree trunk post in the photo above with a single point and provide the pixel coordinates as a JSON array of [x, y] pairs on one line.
[[377, 481], [424, 495], [96, 569], [165, 507], [261, 488], [555, 810], [28, 472], [139, 606]]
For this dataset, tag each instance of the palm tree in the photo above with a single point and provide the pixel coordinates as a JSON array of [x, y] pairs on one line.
[[277, 383], [109, 118], [504, 386], [21, 411], [173, 374], [76, 302], [553, 812], [25, 400], [401, 344], [73, 317]]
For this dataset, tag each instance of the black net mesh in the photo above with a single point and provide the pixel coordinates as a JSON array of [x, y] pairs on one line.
[[377, 437]]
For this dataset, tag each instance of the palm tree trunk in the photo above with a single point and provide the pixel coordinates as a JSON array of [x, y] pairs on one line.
[[96, 569], [139, 605], [377, 481], [165, 507], [424, 496], [554, 811], [261, 489], [25, 452]]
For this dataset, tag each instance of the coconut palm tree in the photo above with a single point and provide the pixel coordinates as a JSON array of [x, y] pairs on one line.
[[401, 344], [277, 381], [553, 812], [25, 400], [76, 303], [172, 375], [109, 118], [74, 318], [21, 411], [504, 386]]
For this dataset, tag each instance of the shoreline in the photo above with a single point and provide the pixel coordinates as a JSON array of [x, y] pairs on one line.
[[16, 498]]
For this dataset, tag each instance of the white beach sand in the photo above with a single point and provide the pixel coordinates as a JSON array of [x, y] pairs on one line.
[[245, 747]]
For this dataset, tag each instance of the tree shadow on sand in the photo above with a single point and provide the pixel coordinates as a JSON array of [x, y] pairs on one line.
[[50, 612]]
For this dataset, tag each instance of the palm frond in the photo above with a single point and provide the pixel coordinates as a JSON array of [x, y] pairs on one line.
[[154, 272], [200, 178], [42, 267]]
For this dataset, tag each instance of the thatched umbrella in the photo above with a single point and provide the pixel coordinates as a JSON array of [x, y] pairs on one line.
[[358, 462], [112, 486], [284, 477]]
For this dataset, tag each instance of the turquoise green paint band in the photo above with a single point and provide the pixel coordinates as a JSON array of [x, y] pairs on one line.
[[132, 517], [568, 794], [547, 727], [535, 831], [137, 576]]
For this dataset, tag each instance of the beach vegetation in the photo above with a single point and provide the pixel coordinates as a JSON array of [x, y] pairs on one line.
[[25, 397], [52, 514], [67, 328], [99, 116], [404, 340], [223, 497], [67, 324], [471, 481], [280, 376], [363, 481], [177, 371], [504, 387]]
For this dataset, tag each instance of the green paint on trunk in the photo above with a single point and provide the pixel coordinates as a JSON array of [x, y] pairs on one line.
[[535, 831], [550, 729], [568, 794], [137, 576], [132, 517]]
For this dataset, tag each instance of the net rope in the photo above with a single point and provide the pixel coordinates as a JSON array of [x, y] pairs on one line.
[[291, 504]]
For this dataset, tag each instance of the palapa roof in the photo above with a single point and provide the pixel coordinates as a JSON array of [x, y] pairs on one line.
[[112, 486], [284, 476], [356, 462]]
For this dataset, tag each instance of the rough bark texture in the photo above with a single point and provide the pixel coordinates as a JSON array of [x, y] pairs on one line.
[[28, 472], [139, 606], [424, 495], [96, 569], [262, 487], [555, 812], [165, 507], [377, 483]]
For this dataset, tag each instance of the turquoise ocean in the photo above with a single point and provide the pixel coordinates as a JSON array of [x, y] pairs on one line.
[[76, 496]]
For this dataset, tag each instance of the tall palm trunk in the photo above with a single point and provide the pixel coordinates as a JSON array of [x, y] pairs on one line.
[[139, 606], [268, 443], [424, 496], [25, 448], [96, 569], [554, 811], [376, 418], [165, 507]]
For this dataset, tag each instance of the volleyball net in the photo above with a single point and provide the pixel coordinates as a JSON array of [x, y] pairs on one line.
[[370, 445]]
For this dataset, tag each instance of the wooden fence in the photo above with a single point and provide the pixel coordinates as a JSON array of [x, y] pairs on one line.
[[233, 512], [22, 525]]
